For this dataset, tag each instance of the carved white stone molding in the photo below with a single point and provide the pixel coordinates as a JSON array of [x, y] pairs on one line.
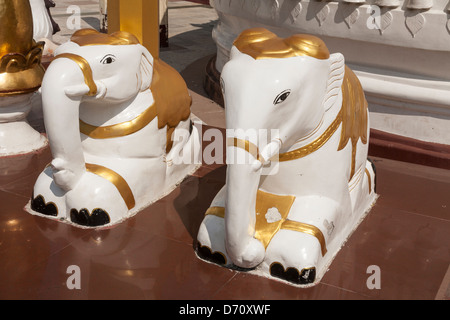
[[275, 10], [355, 1], [388, 3], [419, 4], [447, 9], [448, 21], [415, 23], [322, 14], [254, 6], [295, 12], [350, 14], [386, 21]]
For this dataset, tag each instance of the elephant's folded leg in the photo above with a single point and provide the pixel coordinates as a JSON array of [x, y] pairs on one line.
[[211, 239], [211, 234], [96, 202]]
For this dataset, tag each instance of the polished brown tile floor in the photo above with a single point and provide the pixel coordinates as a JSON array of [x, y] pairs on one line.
[[151, 255]]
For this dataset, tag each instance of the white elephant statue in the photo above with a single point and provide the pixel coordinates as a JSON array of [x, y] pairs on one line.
[[110, 112], [299, 118]]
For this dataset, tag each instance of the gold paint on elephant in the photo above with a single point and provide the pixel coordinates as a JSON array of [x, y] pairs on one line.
[[272, 212], [85, 69], [354, 119], [117, 180], [119, 129], [20, 56], [260, 43], [91, 37], [315, 145], [369, 180], [308, 229], [216, 211], [294, 154], [172, 99], [355, 115], [247, 146]]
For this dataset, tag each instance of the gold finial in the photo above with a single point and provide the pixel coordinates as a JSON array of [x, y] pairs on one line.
[[20, 56]]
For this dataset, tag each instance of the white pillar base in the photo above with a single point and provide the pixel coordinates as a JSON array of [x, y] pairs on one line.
[[19, 138], [16, 135]]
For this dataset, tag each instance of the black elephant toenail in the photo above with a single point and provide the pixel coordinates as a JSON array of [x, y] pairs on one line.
[[307, 276], [206, 254], [97, 218], [38, 204]]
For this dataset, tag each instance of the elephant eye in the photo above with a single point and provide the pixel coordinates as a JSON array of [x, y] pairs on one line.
[[282, 97], [108, 59]]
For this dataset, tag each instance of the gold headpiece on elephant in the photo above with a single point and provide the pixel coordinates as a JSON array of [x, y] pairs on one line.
[[260, 43], [91, 37], [20, 56]]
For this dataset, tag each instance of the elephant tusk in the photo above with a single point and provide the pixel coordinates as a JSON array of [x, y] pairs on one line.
[[77, 90], [257, 165], [272, 149]]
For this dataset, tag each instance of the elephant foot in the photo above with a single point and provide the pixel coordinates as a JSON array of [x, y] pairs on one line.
[[95, 202], [211, 234], [293, 257], [293, 275], [211, 241], [39, 205], [97, 218], [211, 244], [207, 254], [47, 198]]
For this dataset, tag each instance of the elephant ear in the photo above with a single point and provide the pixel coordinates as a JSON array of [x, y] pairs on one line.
[[146, 69], [335, 79]]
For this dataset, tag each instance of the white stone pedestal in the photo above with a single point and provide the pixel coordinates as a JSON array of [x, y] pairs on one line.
[[16, 135]]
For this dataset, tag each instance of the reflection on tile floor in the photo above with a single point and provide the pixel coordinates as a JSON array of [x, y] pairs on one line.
[[151, 255]]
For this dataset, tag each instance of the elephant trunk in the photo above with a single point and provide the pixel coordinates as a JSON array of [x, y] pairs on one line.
[[242, 185], [61, 118]]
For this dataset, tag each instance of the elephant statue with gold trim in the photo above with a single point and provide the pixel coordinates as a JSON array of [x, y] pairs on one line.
[[298, 178], [110, 112]]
